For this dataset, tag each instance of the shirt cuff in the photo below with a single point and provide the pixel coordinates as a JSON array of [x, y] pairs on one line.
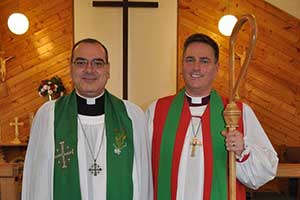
[[244, 155]]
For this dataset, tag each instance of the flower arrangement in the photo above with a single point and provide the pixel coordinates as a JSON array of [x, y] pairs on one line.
[[52, 88]]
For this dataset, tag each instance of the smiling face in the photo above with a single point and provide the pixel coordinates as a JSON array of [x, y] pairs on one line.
[[199, 69], [89, 78]]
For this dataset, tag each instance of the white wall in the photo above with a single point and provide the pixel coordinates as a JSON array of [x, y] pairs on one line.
[[151, 41], [290, 6]]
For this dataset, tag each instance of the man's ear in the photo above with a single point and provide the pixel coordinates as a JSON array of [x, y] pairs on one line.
[[71, 71], [217, 66], [108, 70]]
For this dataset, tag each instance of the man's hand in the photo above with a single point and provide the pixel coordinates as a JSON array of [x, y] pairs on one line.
[[234, 141]]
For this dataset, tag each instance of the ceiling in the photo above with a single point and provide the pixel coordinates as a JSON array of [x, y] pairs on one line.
[[290, 6]]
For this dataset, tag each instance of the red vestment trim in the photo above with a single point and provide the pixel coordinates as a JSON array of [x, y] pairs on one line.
[[160, 115]]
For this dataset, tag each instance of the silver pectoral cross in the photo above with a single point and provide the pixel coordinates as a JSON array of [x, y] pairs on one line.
[[95, 169]]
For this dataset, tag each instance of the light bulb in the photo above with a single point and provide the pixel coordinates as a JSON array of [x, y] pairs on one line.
[[18, 23], [226, 24]]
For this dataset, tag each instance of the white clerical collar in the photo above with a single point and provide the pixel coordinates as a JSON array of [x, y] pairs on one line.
[[195, 100], [90, 100]]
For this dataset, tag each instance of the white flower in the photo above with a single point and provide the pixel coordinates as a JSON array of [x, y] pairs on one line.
[[50, 92], [45, 87], [117, 151]]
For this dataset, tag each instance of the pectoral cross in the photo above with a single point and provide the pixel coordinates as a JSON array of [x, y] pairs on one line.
[[16, 124], [195, 142], [95, 169], [63, 155]]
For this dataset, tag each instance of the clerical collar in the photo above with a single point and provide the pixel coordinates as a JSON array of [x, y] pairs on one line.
[[197, 101], [90, 106]]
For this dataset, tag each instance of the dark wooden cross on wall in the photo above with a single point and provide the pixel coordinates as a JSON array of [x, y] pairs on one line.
[[125, 4]]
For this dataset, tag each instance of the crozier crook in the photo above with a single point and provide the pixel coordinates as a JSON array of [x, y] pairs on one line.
[[232, 112]]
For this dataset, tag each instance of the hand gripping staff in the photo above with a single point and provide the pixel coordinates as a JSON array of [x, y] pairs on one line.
[[232, 112]]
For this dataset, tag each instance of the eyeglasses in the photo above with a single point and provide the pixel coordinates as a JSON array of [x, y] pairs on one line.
[[95, 63], [191, 60]]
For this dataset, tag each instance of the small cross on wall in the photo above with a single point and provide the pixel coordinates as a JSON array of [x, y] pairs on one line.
[[16, 124]]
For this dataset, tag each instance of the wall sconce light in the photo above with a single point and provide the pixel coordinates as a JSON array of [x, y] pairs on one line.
[[227, 22], [18, 23]]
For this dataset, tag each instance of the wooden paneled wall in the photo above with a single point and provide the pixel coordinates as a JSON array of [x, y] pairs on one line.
[[40, 53], [272, 85]]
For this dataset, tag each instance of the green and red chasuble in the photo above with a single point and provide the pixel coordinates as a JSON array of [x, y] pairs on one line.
[[171, 120], [119, 166]]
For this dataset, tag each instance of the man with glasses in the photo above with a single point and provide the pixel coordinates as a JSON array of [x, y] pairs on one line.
[[189, 141], [89, 144]]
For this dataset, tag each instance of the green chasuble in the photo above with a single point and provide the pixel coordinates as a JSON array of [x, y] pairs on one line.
[[119, 133]]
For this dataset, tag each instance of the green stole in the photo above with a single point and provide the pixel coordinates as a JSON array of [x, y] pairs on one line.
[[119, 133], [217, 124]]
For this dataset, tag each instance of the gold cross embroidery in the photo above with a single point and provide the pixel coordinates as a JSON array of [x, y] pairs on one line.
[[63, 155], [195, 142]]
